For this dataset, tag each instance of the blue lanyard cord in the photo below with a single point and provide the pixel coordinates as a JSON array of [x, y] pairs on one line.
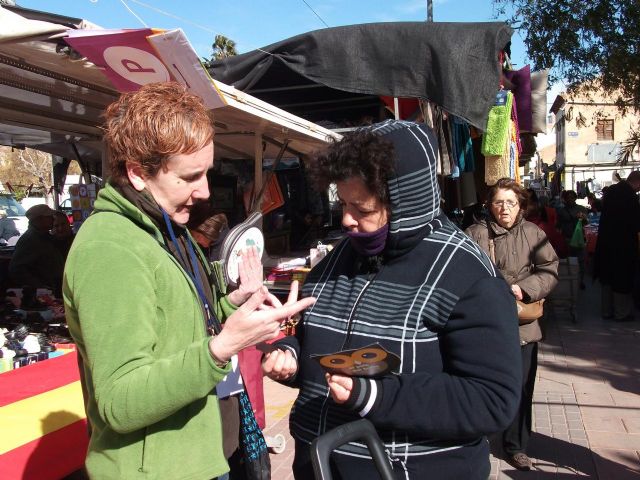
[[213, 324]]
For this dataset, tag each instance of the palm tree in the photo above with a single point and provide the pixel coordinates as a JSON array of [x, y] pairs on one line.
[[628, 146], [223, 47]]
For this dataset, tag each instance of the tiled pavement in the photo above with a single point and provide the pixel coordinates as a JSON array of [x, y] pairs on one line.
[[586, 405], [278, 402]]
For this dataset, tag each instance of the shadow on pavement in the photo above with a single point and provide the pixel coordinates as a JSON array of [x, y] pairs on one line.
[[595, 349], [556, 459]]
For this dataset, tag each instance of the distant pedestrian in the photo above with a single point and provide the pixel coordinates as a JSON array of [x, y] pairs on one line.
[[209, 229], [570, 215], [62, 233], [36, 261], [8, 231], [616, 254], [595, 204]]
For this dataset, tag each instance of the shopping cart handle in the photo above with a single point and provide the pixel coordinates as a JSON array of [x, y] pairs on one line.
[[363, 429]]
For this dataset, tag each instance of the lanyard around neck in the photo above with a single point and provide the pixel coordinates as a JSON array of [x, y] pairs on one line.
[[213, 324]]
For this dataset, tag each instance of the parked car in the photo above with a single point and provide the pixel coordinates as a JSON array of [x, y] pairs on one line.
[[28, 202], [15, 211], [65, 207]]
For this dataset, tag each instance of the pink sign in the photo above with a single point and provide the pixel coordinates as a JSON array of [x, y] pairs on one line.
[[126, 56]]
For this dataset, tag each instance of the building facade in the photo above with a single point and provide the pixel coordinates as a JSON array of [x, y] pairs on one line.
[[589, 132]]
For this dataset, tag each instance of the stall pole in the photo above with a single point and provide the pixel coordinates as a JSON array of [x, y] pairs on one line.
[[257, 200], [257, 166]]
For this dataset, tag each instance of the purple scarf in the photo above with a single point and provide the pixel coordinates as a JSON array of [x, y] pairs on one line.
[[369, 243]]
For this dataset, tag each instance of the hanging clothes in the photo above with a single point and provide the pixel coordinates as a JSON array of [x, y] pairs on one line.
[[582, 188], [521, 88], [462, 145], [427, 113], [444, 164], [516, 126], [516, 147], [497, 166], [497, 132], [455, 168]]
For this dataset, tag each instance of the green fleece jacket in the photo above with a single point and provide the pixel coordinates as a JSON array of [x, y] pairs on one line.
[[147, 373]]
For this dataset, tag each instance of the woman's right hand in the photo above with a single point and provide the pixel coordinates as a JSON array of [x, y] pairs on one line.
[[282, 364], [250, 325]]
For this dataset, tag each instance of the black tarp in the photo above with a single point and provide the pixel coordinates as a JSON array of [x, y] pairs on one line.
[[455, 65]]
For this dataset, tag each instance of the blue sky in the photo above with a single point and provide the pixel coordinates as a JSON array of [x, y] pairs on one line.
[[256, 23]]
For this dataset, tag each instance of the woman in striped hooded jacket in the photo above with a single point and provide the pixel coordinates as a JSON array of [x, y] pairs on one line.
[[408, 279]]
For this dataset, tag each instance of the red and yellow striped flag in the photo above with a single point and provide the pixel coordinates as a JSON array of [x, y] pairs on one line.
[[42, 420]]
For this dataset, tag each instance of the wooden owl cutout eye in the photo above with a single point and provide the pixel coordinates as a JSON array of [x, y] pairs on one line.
[[336, 361], [369, 355]]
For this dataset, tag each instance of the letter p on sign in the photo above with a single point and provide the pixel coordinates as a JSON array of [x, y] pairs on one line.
[[136, 65]]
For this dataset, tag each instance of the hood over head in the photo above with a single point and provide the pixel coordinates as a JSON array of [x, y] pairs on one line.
[[414, 193]]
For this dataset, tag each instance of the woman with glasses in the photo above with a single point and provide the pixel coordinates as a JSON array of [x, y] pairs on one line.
[[529, 264]]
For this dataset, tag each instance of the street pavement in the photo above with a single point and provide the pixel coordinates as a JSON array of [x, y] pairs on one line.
[[586, 402]]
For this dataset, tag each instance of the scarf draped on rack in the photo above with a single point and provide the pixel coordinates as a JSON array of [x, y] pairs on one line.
[[501, 140]]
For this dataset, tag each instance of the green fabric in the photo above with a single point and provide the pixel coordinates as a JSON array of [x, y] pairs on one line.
[[496, 134], [139, 328]]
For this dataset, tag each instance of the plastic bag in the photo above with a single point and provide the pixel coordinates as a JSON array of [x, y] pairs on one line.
[[577, 239]]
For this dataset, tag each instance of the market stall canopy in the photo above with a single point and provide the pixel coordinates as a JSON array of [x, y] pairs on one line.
[[51, 98], [339, 73]]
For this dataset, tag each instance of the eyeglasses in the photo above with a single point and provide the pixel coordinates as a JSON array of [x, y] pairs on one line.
[[504, 203]]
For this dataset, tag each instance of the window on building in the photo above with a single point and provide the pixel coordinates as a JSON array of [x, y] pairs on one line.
[[604, 129]]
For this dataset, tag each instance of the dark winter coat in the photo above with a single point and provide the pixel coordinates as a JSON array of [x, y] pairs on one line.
[[568, 218], [617, 246], [525, 257], [434, 299], [36, 261]]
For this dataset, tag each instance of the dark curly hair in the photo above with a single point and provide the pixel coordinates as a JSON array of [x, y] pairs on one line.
[[358, 154]]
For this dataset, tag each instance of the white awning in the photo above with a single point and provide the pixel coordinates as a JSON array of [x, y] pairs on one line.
[[52, 100]]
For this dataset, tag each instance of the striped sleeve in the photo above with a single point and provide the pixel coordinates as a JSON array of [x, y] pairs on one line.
[[365, 395]]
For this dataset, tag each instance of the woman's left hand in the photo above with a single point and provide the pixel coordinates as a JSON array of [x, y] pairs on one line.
[[251, 275], [339, 386], [517, 292]]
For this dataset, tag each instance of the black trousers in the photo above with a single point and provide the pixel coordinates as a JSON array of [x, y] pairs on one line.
[[516, 437]]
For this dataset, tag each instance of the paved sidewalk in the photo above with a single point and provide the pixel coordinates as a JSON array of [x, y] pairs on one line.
[[586, 405], [278, 402], [587, 398]]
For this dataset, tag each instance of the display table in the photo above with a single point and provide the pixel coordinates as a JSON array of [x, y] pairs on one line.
[[42, 420]]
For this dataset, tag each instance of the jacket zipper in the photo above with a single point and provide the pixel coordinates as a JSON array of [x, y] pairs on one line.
[[371, 277]]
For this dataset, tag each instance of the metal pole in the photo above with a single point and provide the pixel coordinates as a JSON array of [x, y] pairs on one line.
[[429, 10]]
